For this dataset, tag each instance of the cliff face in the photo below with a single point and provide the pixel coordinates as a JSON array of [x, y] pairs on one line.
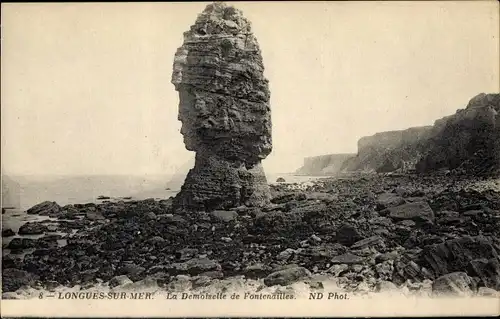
[[225, 112], [389, 151], [324, 164], [468, 141], [465, 142]]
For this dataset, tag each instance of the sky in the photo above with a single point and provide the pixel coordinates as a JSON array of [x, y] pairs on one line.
[[86, 87]]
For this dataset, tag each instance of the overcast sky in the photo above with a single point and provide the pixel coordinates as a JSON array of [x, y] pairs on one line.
[[86, 87]]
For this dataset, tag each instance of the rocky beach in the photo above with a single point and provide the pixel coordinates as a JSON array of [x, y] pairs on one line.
[[365, 233], [414, 212]]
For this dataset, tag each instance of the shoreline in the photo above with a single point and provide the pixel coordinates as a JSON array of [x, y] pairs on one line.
[[301, 238]]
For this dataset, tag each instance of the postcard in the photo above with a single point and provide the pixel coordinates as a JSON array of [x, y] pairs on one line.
[[250, 159]]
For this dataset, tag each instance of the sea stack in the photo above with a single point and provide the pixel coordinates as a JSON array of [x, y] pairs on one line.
[[225, 112]]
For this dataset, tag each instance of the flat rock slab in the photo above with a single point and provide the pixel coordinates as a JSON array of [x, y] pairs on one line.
[[323, 251], [457, 254], [348, 259], [386, 200], [417, 211], [367, 242], [194, 267]]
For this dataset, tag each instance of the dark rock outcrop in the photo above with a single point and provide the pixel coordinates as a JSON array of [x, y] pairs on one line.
[[32, 228], [476, 255], [7, 232], [46, 208], [225, 112], [21, 243], [468, 141], [417, 211]]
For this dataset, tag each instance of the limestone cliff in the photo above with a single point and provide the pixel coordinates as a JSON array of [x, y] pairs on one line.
[[465, 142], [225, 112], [324, 164], [389, 151], [468, 141]]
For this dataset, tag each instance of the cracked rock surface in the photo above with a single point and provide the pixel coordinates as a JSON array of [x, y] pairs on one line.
[[225, 112]]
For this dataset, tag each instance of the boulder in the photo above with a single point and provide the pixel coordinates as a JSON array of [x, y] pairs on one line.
[[287, 276], [347, 235], [416, 211], [193, 267], [32, 228], [119, 281], [8, 232], [337, 270], [453, 284], [21, 243], [46, 208], [471, 254], [488, 271], [386, 200]]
